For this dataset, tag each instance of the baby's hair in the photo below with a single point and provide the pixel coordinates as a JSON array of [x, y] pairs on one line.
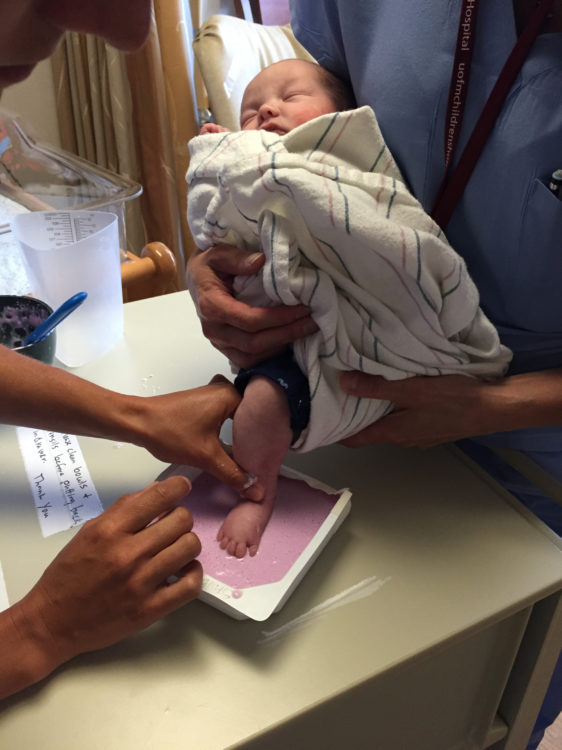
[[340, 92]]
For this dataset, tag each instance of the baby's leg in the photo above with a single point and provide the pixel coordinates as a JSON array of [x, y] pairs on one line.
[[261, 437]]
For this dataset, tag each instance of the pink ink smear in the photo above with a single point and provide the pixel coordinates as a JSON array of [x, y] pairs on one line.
[[299, 512]]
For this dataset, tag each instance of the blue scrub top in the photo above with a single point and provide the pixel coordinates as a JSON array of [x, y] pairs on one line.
[[508, 225]]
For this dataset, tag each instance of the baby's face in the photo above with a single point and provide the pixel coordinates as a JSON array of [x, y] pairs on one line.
[[283, 96]]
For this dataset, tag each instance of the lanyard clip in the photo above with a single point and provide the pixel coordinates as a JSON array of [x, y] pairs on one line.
[[555, 184]]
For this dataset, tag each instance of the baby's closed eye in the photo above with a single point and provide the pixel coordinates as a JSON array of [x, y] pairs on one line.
[[247, 117]]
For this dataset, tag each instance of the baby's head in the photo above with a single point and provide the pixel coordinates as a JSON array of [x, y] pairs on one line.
[[289, 93]]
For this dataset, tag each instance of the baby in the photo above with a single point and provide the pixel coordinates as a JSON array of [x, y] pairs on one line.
[[320, 194], [280, 98]]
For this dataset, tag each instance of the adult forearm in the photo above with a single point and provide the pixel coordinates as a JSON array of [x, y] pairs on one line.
[[25, 657], [530, 400], [433, 410], [36, 395], [181, 427]]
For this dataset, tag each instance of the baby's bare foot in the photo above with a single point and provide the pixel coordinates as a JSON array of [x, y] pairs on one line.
[[242, 529]]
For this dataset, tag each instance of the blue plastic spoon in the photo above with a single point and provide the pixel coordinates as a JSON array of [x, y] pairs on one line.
[[45, 328]]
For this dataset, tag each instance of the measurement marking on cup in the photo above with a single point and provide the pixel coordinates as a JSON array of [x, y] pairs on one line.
[[83, 227], [64, 229]]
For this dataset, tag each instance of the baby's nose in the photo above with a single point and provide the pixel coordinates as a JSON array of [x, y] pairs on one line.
[[268, 109]]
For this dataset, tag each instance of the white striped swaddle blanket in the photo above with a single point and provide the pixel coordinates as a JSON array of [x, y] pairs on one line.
[[342, 234]]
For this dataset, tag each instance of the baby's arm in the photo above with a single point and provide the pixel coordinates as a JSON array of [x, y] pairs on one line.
[[211, 127]]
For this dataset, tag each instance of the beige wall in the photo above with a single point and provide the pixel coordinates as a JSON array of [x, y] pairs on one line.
[[34, 101]]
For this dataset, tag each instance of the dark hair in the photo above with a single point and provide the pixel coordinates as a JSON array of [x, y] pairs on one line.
[[340, 92]]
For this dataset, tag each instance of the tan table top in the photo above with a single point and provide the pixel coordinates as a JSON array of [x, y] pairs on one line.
[[430, 552]]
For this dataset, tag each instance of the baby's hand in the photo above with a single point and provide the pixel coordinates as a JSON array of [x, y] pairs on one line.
[[211, 127]]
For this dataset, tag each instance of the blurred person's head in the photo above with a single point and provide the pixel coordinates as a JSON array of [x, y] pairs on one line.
[[31, 29]]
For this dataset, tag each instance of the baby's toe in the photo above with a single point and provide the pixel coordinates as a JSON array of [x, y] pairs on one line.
[[231, 547], [240, 549]]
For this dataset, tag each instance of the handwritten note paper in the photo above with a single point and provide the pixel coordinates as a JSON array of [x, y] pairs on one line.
[[62, 488]]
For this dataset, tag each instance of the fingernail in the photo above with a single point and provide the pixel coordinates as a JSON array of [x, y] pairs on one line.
[[252, 479], [252, 490], [309, 327], [253, 258]]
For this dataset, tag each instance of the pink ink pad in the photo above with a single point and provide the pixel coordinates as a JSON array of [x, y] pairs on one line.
[[306, 514]]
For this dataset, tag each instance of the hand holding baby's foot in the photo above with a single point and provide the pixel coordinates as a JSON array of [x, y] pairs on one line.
[[243, 528]]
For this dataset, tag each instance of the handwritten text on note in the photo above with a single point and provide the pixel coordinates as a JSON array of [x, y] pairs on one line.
[[61, 485]]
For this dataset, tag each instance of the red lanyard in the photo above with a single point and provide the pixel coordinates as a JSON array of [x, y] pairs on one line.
[[453, 184], [460, 77]]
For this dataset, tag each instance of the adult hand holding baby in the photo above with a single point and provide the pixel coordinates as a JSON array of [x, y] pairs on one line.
[[429, 411], [246, 335]]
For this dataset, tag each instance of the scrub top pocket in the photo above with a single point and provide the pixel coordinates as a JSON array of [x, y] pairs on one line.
[[539, 260]]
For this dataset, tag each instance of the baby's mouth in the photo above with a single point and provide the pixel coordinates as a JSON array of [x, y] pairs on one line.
[[273, 129]]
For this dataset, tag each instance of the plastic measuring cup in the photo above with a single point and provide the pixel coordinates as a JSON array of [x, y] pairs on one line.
[[68, 250]]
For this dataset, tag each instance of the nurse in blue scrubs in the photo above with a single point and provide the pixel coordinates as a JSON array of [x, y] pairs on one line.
[[398, 56]]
